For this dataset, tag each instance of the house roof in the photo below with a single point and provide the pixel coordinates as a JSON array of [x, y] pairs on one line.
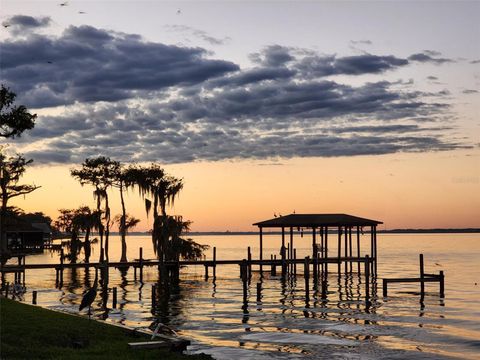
[[316, 220], [43, 227]]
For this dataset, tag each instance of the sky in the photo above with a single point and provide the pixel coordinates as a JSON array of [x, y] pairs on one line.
[[263, 108]]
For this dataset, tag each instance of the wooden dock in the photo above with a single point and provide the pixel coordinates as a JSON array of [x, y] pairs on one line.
[[422, 279]]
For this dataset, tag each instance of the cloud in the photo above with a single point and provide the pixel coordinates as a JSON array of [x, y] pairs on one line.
[[25, 22], [349, 65], [428, 56], [432, 78], [470, 91], [136, 100], [199, 34], [86, 64], [475, 61]]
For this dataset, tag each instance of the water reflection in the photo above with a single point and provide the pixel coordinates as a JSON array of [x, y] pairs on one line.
[[335, 322]]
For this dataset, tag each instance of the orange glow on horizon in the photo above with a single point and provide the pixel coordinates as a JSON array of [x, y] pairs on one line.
[[434, 190]]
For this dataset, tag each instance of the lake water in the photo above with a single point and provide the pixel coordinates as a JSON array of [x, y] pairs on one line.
[[213, 316]]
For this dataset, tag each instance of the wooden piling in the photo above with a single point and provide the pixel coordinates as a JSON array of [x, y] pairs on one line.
[[259, 291], [261, 249], [350, 252], [367, 279], [325, 252], [306, 274], [7, 289], [114, 297], [243, 271], [442, 285], [385, 287], [422, 277], [214, 263], [295, 262], [34, 297], [140, 256], [358, 249], [249, 257], [283, 254], [61, 267], [206, 272]]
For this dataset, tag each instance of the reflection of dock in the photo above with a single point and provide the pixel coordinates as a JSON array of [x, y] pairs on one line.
[[345, 231]]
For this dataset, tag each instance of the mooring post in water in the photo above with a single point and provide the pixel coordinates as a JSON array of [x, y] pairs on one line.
[[7, 289], [367, 279], [114, 297], [306, 274], [34, 297], [140, 257], [243, 271], [154, 297], [324, 286], [214, 263], [272, 266], [294, 262], [249, 257], [61, 266], [442, 284], [206, 272], [259, 291], [385, 287], [422, 275]]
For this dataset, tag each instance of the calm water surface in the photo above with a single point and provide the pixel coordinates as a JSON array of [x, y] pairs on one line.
[[213, 316]]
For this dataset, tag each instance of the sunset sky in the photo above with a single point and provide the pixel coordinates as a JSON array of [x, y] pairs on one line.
[[367, 108]]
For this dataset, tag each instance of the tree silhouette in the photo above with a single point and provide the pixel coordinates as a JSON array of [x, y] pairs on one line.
[[101, 173], [11, 171], [14, 120]]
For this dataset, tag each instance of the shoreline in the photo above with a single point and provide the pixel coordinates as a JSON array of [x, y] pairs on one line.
[[28, 329]]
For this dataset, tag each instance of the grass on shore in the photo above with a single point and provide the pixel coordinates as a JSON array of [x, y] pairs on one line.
[[30, 332]]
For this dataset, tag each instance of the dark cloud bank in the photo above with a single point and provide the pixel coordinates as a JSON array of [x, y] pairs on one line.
[[142, 101]]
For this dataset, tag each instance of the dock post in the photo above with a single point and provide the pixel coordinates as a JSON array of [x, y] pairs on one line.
[[243, 271], [422, 275], [367, 280], [214, 263], [274, 266], [295, 262], [154, 297], [259, 291], [346, 250], [249, 257], [140, 257], [34, 297], [114, 297], [442, 284], [306, 274], [350, 251], [206, 272], [61, 267], [339, 250], [283, 253], [358, 249], [325, 251], [385, 287], [288, 265], [7, 289], [261, 251]]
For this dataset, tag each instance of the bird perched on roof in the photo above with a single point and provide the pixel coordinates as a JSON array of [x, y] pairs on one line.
[[89, 296]]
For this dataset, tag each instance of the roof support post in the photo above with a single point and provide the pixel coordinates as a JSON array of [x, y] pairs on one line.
[[291, 247], [261, 250], [314, 243]]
